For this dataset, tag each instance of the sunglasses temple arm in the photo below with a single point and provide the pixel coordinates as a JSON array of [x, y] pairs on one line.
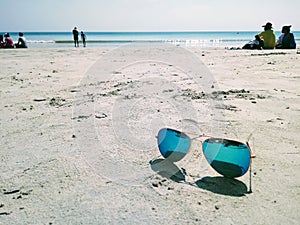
[[251, 151], [250, 177]]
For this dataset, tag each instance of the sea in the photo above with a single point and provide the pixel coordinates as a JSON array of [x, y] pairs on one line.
[[97, 39]]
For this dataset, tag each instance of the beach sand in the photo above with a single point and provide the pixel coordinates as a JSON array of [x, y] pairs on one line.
[[78, 131]]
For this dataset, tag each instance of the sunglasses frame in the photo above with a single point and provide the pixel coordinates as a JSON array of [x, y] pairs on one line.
[[207, 137]]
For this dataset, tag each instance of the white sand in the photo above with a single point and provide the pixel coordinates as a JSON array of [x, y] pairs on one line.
[[78, 132]]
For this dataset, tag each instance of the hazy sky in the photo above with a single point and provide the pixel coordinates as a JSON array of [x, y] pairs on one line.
[[147, 15]]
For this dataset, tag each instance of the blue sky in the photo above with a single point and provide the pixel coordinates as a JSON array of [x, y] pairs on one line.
[[147, 15]]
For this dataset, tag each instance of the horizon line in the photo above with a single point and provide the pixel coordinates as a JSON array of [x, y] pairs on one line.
[[138, 31]]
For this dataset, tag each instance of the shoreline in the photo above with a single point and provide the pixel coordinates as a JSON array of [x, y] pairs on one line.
[[94, 44], [188, 39]]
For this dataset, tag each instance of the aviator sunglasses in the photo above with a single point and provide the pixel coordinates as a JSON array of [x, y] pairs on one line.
[[229, 158]]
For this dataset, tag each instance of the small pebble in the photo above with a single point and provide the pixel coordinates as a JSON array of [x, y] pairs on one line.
[[11, 192], [39, 99], [155, 184]]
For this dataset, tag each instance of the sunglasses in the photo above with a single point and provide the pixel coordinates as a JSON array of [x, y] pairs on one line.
[[229, 158]]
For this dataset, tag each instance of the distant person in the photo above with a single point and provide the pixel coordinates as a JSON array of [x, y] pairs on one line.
[[75, 36], [9, 43], [268, 36], [255, 44], [1, 41], [286, 40], [21, 41], [83, 38]]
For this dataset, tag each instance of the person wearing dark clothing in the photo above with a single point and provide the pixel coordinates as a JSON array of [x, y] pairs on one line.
[[1, 41], [75, 36], [83, 38], [286, 40], [255, 44]]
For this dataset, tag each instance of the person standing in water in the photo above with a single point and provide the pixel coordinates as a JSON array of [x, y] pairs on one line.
[[83, 38], [75, 36]]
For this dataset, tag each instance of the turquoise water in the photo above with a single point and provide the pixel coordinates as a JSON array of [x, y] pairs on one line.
[[64, 39]]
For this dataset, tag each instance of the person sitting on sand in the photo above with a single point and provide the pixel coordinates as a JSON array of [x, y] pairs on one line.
[[1, 41], [21, 41], [255, 44], [268, 36], [9, 43], [286, 40]]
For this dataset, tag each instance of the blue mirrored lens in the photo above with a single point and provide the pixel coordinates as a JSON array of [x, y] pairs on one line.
[[227, 157], [172, 144]]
